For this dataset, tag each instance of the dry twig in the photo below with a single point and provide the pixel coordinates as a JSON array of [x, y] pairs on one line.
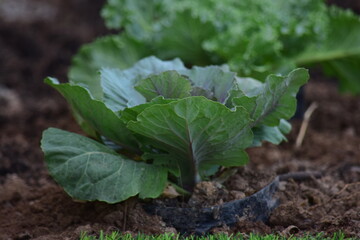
[[305, 124]]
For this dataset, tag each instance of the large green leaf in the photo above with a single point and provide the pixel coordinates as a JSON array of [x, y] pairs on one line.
[[277, 99], [88, 170], [119, 91], [130, 114], [213, 79], [141, 19], [347, 71], [96, 114], [169, 84], [170, 29], [118, 85], [183, 37], [197, 134], [110, 52], [274, 135], [153, 65], [269, 104], [339, 53], [249, 86]]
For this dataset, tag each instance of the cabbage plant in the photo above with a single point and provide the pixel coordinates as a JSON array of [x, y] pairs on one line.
[[159, 123]]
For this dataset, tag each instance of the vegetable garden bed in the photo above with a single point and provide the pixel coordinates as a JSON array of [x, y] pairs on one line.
[[33, 206]]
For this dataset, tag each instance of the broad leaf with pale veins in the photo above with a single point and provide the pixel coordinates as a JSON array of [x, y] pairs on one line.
[[100, 118], [197, 134], [169, 84], [88, 170]]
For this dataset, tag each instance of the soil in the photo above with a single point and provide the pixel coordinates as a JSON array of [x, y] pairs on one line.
[[38, 38]]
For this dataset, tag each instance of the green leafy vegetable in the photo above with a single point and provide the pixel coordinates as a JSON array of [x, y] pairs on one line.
[[254, 37], [159, 121]]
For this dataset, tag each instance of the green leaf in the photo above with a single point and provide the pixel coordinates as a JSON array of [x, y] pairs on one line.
[[119, 92], [183, 36], [198, 91], [274, 135], [244, 92], [168, 84], [171, 30], [269, 104], [153, 65], [197, 134], [130, 114], [118, 85], [255, 36], [139, 18], [249, 86], [106, 52], [276, 100], [339, 53], [88, 170], [85, 126], [347, 71], [213, 79], [96, 114]]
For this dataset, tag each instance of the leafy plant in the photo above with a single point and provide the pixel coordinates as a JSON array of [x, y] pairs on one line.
[[160, 123], [254, 37]]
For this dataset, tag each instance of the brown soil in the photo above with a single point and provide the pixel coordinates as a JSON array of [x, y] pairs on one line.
[[38, 39]]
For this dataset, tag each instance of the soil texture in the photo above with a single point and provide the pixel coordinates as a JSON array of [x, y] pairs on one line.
[[38, 39]]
